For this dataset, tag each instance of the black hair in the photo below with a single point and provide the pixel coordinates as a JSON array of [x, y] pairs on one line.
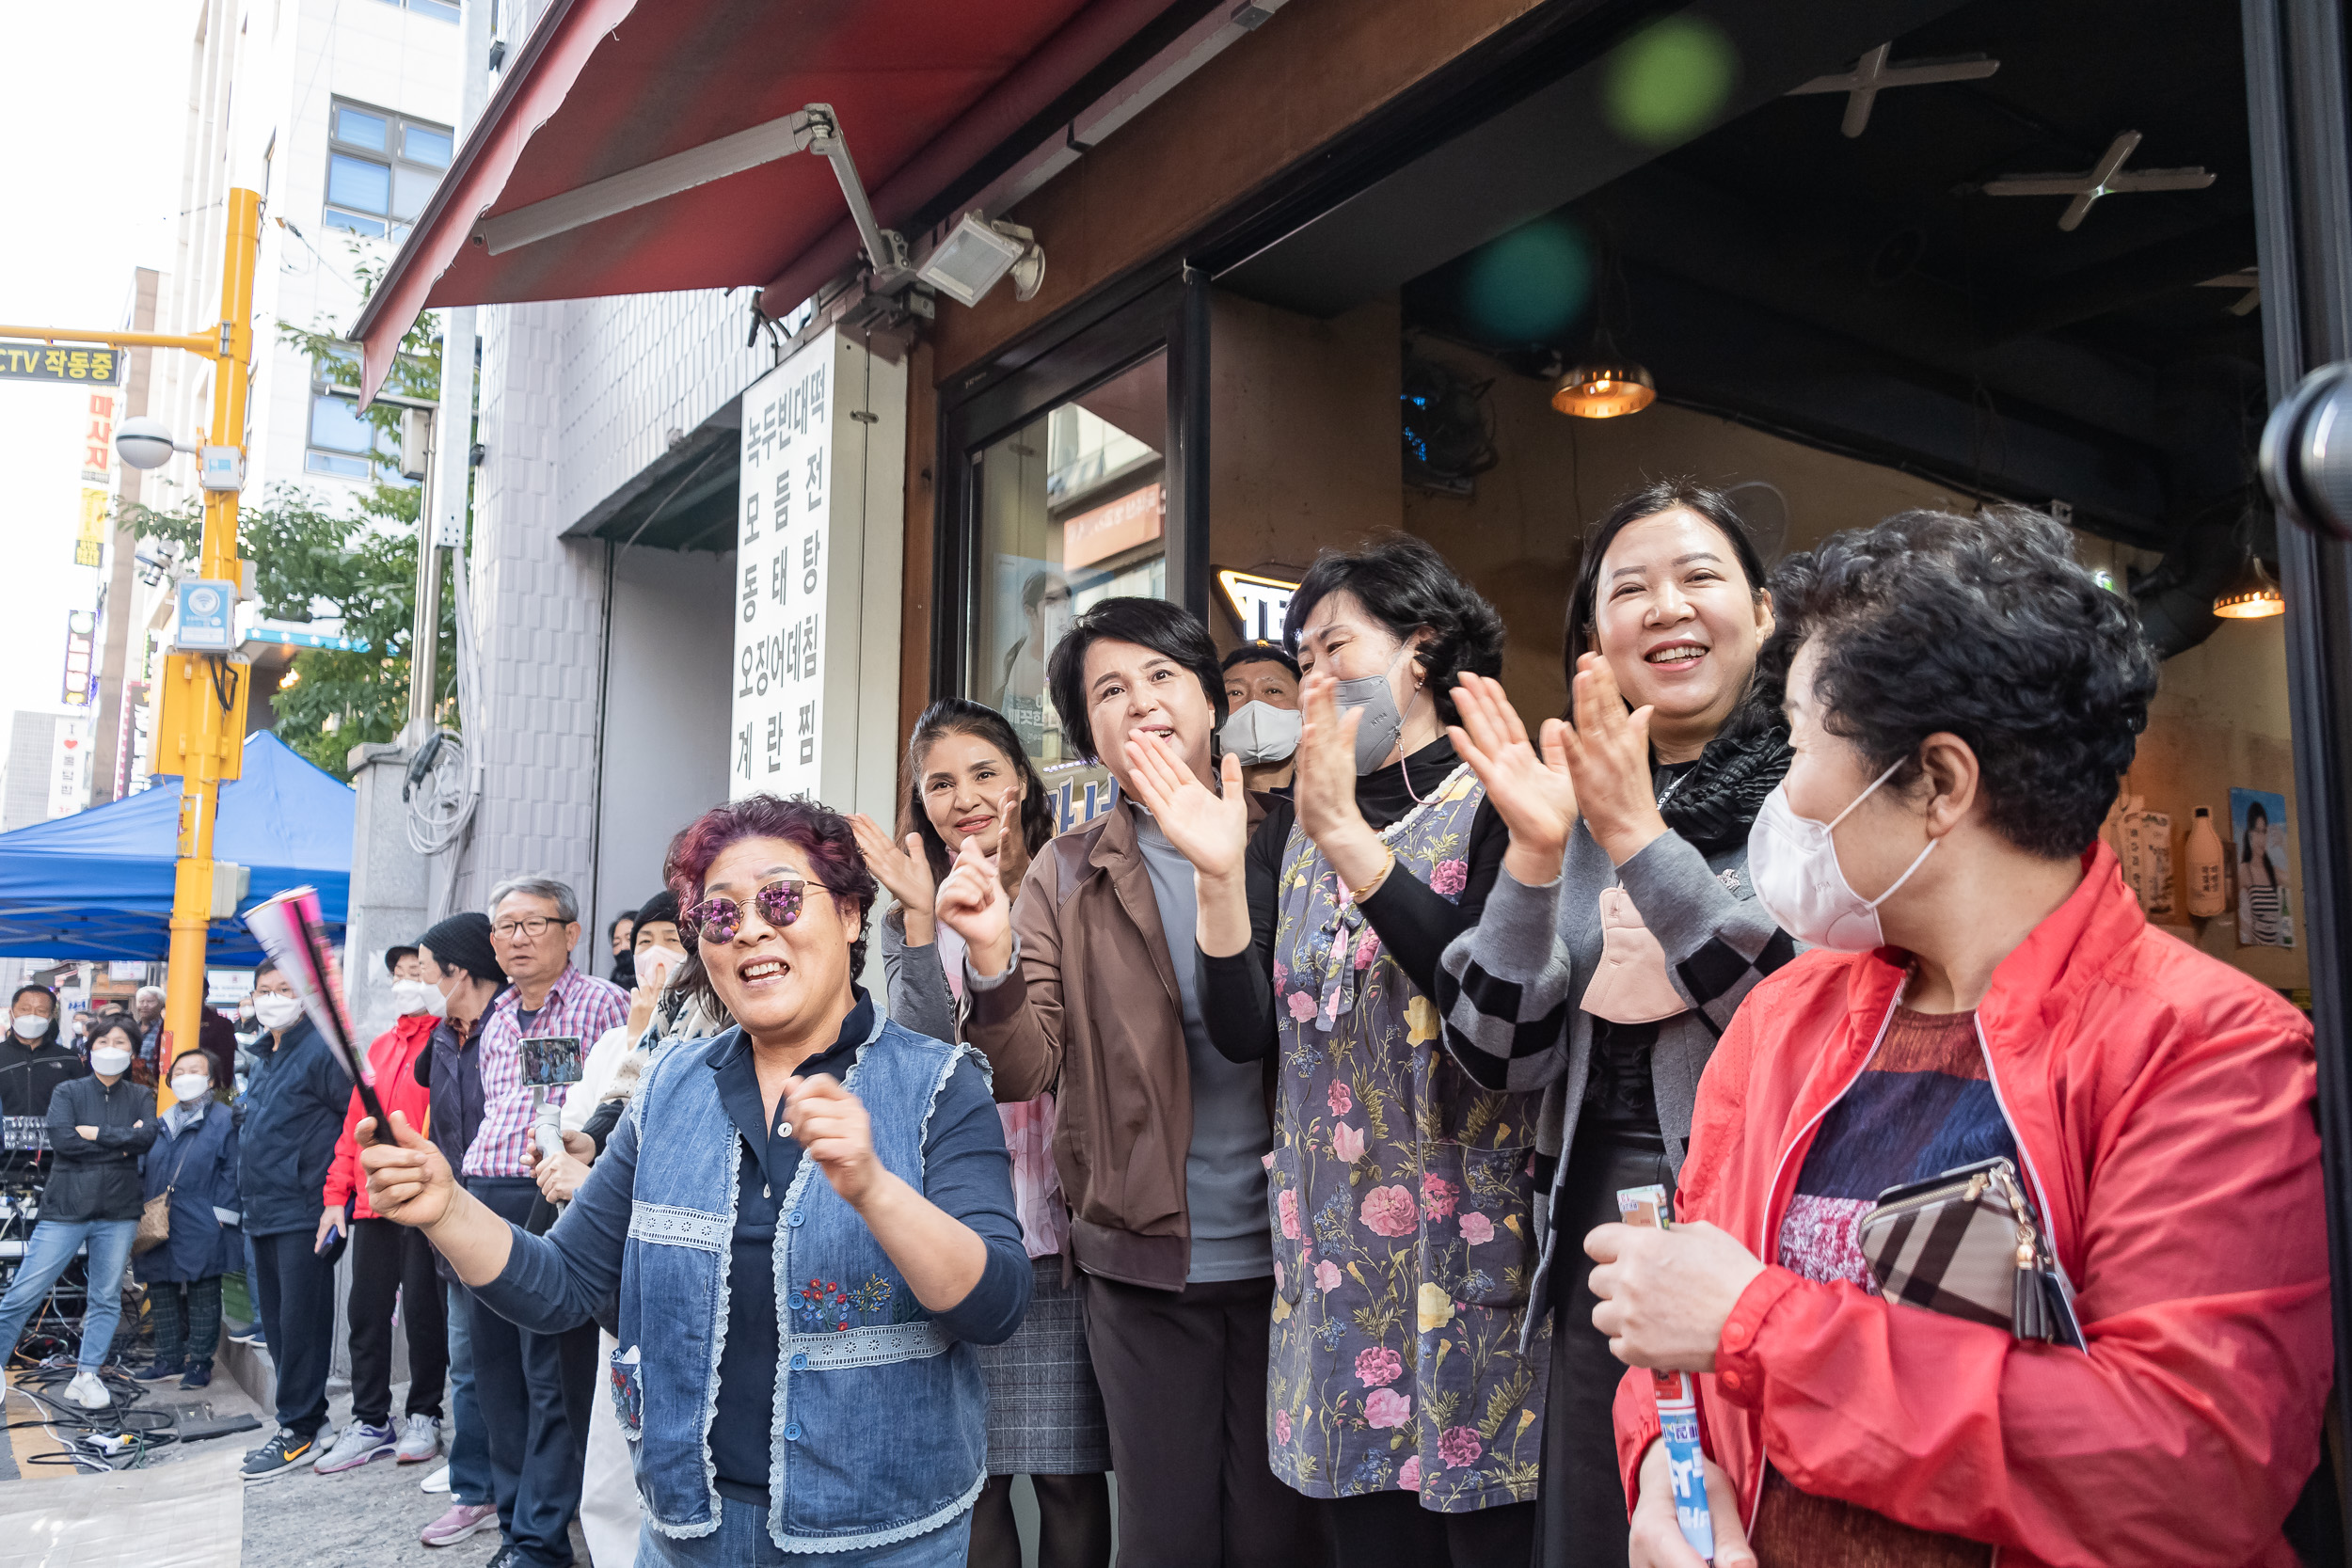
[[57, 1013], [2246, 841], [106, 1024], [178, 1056], [1261, 653], [961, 716], [1405, 585], [662, 906], [1169, 630], [614, 929], [1659, 494], [1986, 627]]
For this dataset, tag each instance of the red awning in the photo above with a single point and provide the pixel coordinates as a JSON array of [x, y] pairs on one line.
[[923, 89]]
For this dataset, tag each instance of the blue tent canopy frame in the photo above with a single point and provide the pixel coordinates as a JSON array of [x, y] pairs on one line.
[[98, 884]]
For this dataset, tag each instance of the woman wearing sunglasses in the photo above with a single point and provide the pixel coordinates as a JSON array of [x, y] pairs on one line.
[[807, 1222]]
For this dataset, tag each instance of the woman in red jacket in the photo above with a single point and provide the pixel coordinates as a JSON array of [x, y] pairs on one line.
[[1961, 696], [387, 1259]]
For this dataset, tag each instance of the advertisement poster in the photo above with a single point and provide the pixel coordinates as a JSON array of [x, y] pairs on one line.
[[781, 546], [2259, 861]]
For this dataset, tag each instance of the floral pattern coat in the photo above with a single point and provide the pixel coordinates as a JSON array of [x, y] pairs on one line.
[[1402, 1198]]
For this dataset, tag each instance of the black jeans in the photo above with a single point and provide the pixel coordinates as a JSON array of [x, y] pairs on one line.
[[1582, 1497], [293, 1290], [388, 1258], [535, 1390], [187, 1319], [1390, 1530], [1184, 1385]]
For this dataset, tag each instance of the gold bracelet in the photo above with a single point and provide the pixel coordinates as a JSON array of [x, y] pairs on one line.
[[1357, 895]]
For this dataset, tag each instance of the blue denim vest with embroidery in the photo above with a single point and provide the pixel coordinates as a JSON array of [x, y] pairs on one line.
[[878, 1424]]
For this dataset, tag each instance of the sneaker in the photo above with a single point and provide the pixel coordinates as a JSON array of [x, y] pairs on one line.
[[461, 1521], [87, 1392], [248, 1334], [157, 1371], [419, 1439], [279, 1454], [357, 1443], [509, 1556], [199, 1376], [437, 1481]]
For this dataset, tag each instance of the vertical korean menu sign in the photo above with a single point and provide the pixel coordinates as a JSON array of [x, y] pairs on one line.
[[782, 542]]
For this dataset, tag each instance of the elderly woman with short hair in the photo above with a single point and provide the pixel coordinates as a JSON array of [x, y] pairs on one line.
[[808, 1222]]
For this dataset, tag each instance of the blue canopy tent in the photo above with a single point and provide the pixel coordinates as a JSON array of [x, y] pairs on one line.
[[98, 884]]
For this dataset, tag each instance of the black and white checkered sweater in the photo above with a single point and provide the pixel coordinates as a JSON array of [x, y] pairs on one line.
[[1508, 990]]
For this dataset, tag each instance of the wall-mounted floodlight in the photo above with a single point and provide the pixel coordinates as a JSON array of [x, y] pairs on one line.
[[977, 253], [145, 443]]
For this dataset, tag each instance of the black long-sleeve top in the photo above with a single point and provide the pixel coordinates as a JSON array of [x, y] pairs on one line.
[[1415, 924]]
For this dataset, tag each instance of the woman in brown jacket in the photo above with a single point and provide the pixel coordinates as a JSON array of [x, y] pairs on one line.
[[1088, 985]]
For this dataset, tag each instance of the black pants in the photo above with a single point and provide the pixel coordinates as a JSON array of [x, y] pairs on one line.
[[1582, 1497], [1390, 1530], [535, 1390], [293, 1290], [1073, 1523], [1184, 1385], [186, 1314], [387, 1259]]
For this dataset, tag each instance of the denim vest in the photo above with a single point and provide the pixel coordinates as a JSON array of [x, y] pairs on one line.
[[879, 1430]]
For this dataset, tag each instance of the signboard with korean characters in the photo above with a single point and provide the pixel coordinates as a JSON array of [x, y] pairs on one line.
[[66, 362], [818, 567]]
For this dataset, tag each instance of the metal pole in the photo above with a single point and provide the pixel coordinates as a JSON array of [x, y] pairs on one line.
[[199, 791], [425, 632]]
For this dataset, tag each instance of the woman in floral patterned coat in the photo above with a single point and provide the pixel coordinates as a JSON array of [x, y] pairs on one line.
[[1398, 1391]]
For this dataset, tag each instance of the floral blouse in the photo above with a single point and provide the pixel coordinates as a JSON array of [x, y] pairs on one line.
[[1402, 1198]]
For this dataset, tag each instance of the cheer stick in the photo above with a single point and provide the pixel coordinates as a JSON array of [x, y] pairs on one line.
[[292, 929]]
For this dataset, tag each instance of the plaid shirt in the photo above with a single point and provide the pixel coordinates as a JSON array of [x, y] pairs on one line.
[[576, 1004]]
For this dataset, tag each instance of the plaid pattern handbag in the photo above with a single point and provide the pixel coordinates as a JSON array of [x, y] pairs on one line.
[[1966, 1243]]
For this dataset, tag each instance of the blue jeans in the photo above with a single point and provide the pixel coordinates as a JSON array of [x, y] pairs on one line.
[[741, 1541], [53, 1246], [468, 1443]]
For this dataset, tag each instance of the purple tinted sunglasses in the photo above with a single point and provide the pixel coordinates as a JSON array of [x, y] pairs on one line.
[[717, 920]]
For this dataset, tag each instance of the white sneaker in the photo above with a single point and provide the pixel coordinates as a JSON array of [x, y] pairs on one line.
[[356, 1445], [87, 1392], [420, 1440], [437, 1481]]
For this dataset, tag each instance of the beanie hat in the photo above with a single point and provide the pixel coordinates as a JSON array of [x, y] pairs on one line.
[[662, 906], [463, 940]]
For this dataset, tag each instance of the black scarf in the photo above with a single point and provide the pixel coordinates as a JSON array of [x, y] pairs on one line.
[[1715, 803]]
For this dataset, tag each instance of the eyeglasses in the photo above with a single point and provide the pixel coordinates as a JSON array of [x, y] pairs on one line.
[[717, 920], [534, 926]]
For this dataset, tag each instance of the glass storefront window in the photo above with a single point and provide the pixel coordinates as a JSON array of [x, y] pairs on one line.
[[1071, 510]]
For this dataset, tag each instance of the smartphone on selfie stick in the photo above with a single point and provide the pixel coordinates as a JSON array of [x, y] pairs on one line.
[[549, 1062]]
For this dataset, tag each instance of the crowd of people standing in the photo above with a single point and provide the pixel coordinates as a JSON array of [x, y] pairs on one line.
[[1260, 1143]]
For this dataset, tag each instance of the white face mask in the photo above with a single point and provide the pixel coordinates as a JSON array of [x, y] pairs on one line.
[[1260, 733], [274, 1012], [1792, 863], [29, 1026], [658, 967], [110, 1061], [417, 996], [193, 1090]]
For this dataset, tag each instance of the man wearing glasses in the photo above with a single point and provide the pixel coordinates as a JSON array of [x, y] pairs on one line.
[[534, 1387]]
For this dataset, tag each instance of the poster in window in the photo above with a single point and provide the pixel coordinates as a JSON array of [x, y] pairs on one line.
[[2259, 861], [782, 543]]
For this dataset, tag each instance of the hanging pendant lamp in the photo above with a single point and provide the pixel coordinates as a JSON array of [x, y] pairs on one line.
[[2252, 595], [1604, 383]]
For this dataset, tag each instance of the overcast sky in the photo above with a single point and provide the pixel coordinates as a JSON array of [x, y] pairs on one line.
[[91, 120]]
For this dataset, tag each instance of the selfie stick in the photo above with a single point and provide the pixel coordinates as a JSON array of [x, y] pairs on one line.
[[1677, 1404]]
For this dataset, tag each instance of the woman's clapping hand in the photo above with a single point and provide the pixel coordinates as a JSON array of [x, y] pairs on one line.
[[1534, 795], [905, 871], [1211, 830], [1608, 756]]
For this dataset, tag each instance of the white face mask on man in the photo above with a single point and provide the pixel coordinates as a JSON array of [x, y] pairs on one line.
[[274, 1011], [29, 1026], [1259, 733], [417, 996], [1793, 863]]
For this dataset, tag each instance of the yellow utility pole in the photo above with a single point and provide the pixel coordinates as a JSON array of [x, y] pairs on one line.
[[209, 750]]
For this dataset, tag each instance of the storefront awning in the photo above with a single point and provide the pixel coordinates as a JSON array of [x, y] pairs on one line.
[[604, 88]]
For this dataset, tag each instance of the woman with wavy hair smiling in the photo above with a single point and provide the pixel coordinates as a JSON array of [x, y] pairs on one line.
[[807, 1222]]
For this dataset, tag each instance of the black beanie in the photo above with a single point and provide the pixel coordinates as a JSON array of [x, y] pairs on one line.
[[662, 906], [463, 940]]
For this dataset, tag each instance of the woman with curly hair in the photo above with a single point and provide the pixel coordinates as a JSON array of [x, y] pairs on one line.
[[806, 1221], [1400, 1394], [2118, 1126]]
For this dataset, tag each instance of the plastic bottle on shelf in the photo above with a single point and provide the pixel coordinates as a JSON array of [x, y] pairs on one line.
[[2208, 888]]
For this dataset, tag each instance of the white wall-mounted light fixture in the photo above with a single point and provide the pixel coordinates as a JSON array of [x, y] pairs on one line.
[[977, 254]]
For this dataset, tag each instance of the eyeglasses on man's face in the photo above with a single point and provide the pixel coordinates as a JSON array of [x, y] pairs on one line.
[[530, 927]]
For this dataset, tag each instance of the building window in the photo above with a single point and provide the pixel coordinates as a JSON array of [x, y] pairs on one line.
[[345, 444], [442, 10], [381, 168]]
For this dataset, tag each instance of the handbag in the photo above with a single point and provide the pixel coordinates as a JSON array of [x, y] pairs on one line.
[[1966, 1243], [155, 1214]]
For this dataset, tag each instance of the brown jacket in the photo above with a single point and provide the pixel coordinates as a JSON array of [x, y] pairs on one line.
[[1094, 1014]]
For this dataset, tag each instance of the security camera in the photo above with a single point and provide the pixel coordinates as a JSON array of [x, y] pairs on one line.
[[144, 443]]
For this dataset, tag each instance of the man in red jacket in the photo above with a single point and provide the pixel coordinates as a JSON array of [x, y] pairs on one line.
[[387, 1258]]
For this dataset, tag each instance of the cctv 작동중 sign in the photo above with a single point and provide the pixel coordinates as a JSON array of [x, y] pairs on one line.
[[84, 366]]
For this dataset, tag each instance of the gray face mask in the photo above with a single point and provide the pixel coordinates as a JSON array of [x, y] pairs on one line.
[[1383, 721]]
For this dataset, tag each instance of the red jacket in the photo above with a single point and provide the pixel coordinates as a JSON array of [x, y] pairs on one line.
[[393, 1059], [2162, 1105]]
